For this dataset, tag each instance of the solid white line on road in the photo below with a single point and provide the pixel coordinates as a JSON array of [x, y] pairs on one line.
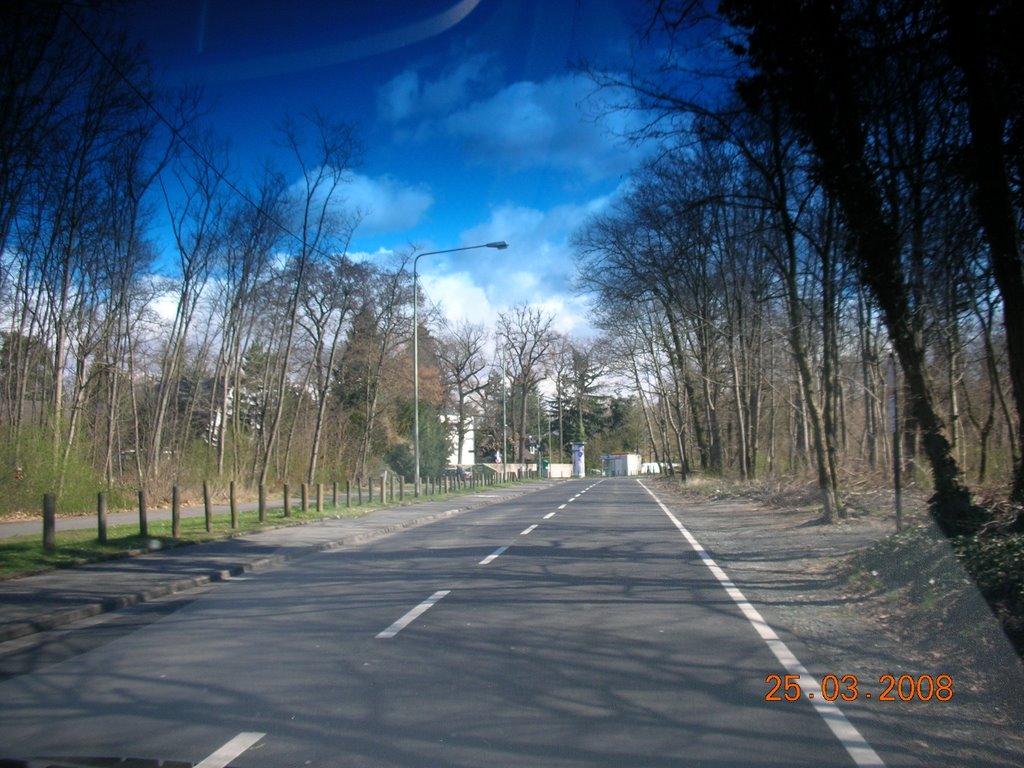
[[493, 556], [528, 531], [231, 750], [847, 734], [549, 515], [412, 615]]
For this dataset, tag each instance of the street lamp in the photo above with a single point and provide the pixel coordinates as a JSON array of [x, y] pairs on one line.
[[500, 245], [504, 418]]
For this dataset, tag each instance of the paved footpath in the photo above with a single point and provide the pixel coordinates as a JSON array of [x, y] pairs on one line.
[[44, 601]]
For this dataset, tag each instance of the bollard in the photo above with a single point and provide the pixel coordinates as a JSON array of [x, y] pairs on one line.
[[101, 517], [348, 494], [319, 498], [401, 489], [50, 521], [263, 503], [234, 505], [334, 494], [175, 514], [208, 511], [143, 521], [287, 502], [383, 497], [305, 497], [359, 492]]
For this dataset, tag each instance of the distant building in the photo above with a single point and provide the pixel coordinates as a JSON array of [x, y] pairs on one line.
[[620, 464], [468, 456]]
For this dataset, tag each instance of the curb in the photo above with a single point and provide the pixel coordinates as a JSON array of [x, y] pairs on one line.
[[66, 616]]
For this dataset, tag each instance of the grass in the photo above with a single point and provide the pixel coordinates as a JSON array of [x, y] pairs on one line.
[[25, 555]]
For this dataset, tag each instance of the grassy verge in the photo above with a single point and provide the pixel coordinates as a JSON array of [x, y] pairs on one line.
[[940, 579], [25, 555]]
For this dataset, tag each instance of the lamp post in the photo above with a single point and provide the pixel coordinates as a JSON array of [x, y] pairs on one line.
[[504, 418], [500, 245]]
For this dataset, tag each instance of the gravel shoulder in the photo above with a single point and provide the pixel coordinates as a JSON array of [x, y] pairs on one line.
[[796, 571]]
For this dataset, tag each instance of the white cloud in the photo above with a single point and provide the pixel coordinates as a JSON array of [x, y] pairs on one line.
[[542, 124], [527, 124], [397, 100], [459, 297], [409, 96], [538, 268], [386, 203]]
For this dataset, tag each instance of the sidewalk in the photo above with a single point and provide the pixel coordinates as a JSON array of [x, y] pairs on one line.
[[51, 599]]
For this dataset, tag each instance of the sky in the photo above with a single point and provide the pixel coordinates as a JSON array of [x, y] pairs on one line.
[[475, 124]]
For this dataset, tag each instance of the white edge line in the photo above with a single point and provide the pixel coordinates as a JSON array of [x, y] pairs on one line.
[[493, 556], [847, 734], [231, 750], [412, 615]]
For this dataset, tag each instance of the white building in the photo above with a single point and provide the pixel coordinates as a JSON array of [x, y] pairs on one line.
[[620, 464], [468, 456]]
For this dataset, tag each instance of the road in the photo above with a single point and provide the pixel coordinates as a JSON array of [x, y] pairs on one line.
[[574, 626]]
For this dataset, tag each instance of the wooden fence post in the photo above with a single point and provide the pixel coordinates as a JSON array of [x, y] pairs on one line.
[[263, 503], [234, 505], [175, 514], [304, 493], [49, 521], [143, 521], [206, 506], [101, 517], [319, 498], [287, 502]]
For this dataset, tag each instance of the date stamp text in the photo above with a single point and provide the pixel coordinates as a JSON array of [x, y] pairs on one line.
[[852, 688]]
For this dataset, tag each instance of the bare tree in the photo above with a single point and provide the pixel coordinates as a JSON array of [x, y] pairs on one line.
[[195, 205], [336, 292], [324, 162], [460, 352], [526, 335], [831, 59]]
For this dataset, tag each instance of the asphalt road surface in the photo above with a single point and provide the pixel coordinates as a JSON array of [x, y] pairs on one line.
[[574, 626]]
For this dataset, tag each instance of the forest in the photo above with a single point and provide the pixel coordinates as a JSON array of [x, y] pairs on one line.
[[828, 241], [819, 272]]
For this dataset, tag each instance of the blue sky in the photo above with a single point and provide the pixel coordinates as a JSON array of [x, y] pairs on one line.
[[475, 126]]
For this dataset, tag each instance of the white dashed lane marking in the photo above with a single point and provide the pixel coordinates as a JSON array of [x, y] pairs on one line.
[[493, 556], [412, 615]]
